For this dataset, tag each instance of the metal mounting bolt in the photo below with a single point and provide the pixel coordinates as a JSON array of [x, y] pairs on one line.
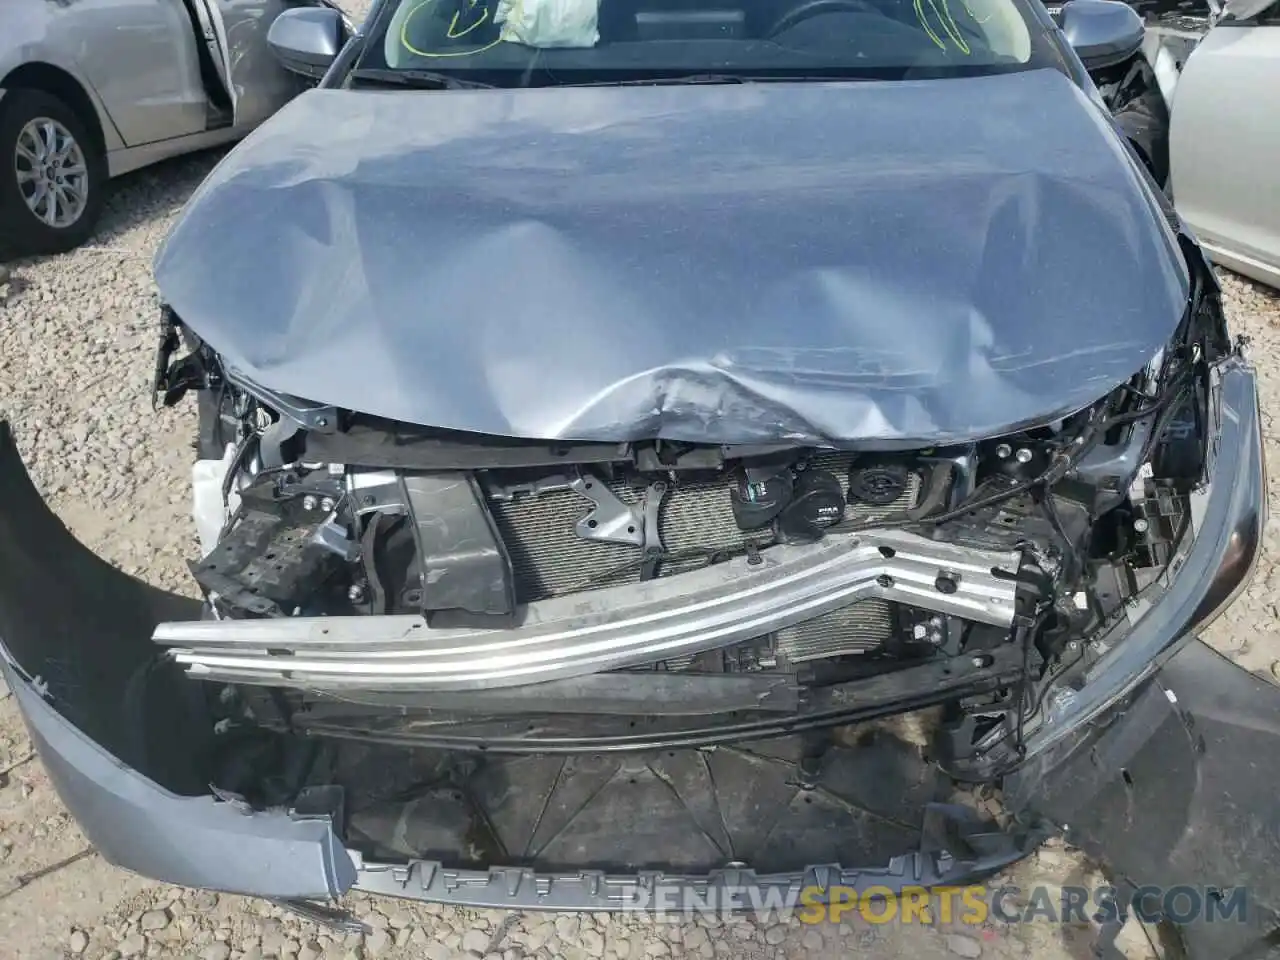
[[946, 583], [920, 631], [1141, 526], [1023, 455], [1003, 451], [355, 592], [885, 581], [308, 502], [326, 504], [322, 421]]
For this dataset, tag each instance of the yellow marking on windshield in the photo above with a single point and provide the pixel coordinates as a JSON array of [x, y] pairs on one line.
[[453, 24], [404, 35], [942, 11], [952, 28], [919, 7]]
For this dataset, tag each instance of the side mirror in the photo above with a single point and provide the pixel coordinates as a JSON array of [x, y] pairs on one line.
[[1102, 32], [306, 40]]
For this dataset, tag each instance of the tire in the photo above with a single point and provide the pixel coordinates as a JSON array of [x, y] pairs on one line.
[[22, 230]]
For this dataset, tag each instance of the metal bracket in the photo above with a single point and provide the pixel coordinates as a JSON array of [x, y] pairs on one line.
[[610, 520], [375, 491], [654, 550], [333, 537], [318, 417]]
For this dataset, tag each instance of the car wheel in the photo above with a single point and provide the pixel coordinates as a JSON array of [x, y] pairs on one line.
[[52, 174]]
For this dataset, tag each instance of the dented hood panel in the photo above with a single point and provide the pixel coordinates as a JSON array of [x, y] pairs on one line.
[[923, 260]]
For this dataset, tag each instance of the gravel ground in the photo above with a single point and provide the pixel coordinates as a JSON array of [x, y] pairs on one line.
[[76, 342]]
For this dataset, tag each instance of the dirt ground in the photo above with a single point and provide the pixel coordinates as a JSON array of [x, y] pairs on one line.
[[76, 341]]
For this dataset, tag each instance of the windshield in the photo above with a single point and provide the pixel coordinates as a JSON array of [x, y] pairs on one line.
[[541, 42]]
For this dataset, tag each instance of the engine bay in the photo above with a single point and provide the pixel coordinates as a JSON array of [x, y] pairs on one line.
[[397, 583]]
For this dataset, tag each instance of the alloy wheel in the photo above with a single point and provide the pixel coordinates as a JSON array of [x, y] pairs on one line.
[[53, 177]]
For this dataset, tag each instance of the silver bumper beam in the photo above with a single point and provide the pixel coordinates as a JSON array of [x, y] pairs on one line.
[[604, 629]]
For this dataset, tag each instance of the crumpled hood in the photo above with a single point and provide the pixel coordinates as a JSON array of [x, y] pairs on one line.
[[924, 260]]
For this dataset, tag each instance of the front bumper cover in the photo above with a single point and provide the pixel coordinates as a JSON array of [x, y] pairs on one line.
[[221, 844], [201, 841], [205, 842]]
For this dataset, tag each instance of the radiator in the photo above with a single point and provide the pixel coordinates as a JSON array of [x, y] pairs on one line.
[[549, 559]]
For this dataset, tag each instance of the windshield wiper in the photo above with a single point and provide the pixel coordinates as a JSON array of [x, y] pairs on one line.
[[422, 79], [712, 78], [666, 81]]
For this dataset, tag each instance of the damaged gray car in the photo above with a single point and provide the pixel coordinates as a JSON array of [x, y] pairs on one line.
[[607, 426]]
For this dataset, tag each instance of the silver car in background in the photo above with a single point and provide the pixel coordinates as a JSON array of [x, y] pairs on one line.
[[90, 90], [1219, 70]]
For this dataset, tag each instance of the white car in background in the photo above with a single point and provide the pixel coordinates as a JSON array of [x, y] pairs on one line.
[[90, 90], [1219, 70]]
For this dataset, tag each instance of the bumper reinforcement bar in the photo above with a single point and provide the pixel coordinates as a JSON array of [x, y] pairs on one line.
[[605, 629]]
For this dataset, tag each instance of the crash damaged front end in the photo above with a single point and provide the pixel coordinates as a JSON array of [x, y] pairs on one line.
[[564, 675], [190, 781]]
